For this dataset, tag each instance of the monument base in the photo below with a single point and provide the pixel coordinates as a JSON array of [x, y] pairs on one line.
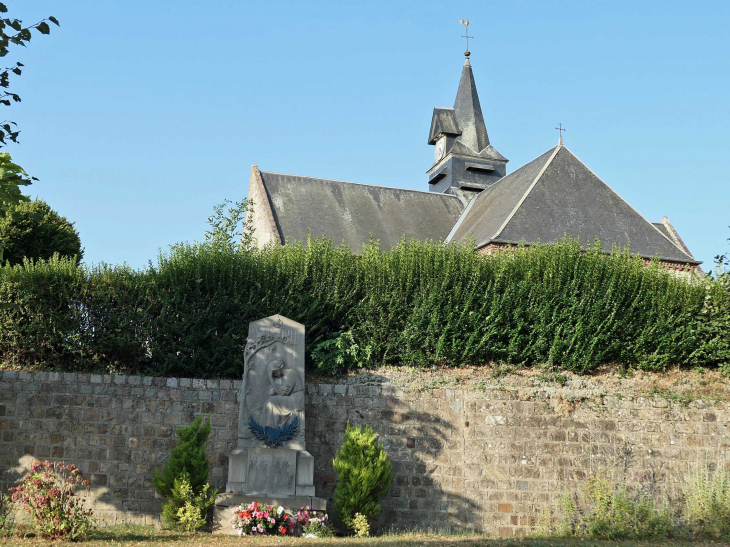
[[270, 472], [225, 503]]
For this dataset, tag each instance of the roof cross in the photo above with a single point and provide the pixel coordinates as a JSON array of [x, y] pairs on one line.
[[465, 22], [560, 128]]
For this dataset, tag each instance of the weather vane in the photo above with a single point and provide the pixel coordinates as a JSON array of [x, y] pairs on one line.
[[465, 22], [560, 128]]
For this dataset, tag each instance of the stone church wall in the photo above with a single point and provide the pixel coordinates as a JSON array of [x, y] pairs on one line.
[[489, 459]]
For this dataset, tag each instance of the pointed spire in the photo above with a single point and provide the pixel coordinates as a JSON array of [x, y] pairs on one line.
[[469, 112], [560, 129]]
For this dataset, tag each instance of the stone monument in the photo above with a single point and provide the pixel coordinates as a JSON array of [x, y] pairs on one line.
[[270, 463]]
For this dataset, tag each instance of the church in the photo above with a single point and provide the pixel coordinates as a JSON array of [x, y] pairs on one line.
[[470, 198]]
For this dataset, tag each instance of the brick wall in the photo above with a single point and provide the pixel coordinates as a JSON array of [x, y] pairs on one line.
[[465, 458]]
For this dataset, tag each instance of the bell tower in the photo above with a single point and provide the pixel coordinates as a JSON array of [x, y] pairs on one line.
[[465, 161]]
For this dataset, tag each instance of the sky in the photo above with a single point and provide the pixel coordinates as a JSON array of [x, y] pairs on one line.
[[138, 117]]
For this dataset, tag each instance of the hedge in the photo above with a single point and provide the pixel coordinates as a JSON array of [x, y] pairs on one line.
[[417, 304]]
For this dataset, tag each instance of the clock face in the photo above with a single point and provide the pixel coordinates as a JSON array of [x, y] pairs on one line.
[[439, 149]]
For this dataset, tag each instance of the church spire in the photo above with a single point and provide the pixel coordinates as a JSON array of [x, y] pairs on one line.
[[464, 161], [468, 112]]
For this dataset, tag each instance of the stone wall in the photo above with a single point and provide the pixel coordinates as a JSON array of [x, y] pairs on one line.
[[489, 459]]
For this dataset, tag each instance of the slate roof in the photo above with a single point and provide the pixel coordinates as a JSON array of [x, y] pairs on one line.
[[349, 212], [469, 117], [556, 195], [443, 121], [465, 121]]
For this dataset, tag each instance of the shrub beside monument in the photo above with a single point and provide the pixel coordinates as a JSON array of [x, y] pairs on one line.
[[183, 481], [363, 478]]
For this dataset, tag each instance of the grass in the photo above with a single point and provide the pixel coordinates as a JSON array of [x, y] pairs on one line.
[[141, 536]]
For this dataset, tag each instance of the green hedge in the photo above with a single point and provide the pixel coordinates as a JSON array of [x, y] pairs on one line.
[[417, 304]]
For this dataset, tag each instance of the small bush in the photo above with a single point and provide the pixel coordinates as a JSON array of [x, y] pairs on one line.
[[258, 518], [363, 476], [360, 525], [340, 353], [48, 493], [191, 509], [707, 503], [183, 480]]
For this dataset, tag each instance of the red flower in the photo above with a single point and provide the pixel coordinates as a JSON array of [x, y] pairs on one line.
[[282, 530]]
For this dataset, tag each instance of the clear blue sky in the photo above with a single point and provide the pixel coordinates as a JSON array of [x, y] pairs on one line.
[[138, 117]]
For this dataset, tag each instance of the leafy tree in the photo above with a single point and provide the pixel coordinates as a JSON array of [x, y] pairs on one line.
[[14, 33], [228, 220], [12, 176], [363, 477], [187, 463], [34, 230]]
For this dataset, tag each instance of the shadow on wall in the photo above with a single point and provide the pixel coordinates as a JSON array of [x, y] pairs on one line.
[[105, 429], [110, 506], [425, 449]]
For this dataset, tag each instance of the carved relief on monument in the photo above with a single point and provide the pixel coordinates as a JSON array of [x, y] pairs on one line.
[[272, 392]]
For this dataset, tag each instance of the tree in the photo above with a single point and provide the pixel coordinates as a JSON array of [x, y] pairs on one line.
[[13, 33], [34, 230], [12, 176], [228, 220]]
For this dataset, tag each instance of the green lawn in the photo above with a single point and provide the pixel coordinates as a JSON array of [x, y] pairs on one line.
[[141, 536]]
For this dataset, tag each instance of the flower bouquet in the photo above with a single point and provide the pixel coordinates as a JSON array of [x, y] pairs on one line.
[[261, 519], [313, 523]]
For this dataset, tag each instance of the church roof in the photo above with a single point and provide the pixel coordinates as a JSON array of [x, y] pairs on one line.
[[556, 195], [349, 212]]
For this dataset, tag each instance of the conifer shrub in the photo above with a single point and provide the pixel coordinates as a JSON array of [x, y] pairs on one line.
[[363, 478], [183, 480], [417, 304]]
